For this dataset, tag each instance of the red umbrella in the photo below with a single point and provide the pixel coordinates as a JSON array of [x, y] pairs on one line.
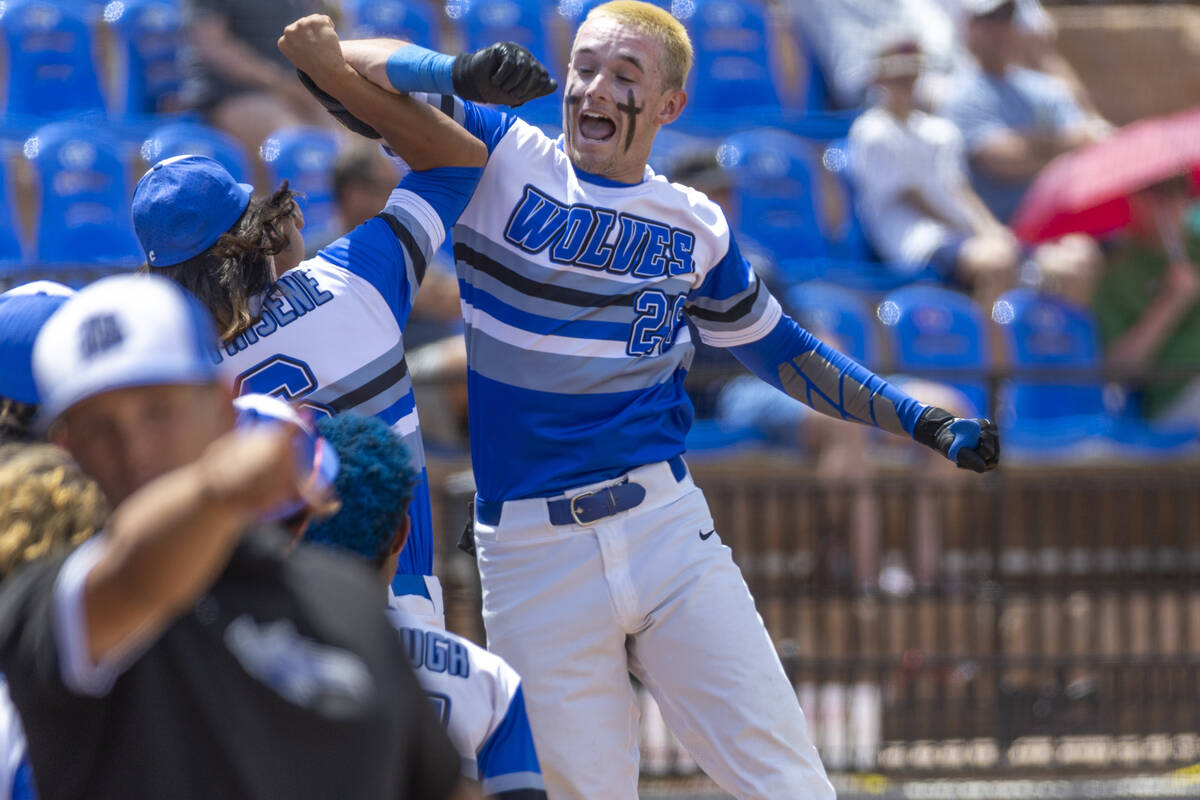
[[1087, 191]]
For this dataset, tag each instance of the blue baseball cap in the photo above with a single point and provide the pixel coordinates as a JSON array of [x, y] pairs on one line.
[[121, 331], [182, 205], [316, 458], [23, 311]]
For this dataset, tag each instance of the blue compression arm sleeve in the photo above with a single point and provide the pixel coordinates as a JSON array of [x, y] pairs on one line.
[[793, 360], [413, 68]]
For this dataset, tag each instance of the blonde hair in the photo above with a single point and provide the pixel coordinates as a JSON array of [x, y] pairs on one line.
[[47, 504], [670, 33]]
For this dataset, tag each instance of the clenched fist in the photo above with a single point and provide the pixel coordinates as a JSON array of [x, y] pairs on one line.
[[312, 44]]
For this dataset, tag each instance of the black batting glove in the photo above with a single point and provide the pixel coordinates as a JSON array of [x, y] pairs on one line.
[[973, 444], [505, 74], [335, 107]]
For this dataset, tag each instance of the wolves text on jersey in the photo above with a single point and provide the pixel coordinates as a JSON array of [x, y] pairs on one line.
[[579, 235]]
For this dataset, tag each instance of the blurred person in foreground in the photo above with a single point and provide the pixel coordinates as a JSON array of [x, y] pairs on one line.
[[23, 311], [182, 652], [47, 507], [1146, 302], [236, 76], [1014, 120], [478, 694]]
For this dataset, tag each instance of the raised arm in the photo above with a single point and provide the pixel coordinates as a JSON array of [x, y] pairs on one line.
[[169, 541], [418, 133], [732, 309]]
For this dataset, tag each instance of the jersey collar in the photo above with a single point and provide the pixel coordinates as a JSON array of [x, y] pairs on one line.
[[600, 180]]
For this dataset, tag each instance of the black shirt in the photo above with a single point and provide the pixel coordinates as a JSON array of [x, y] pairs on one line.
[[258, 24], [285, 681]]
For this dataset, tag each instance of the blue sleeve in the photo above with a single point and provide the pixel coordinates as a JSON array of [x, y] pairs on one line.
[[507, 761], [447, 189], [486, 124], [794, 361], [391, 250]]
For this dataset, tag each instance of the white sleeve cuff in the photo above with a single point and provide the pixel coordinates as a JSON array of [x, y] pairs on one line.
[[78, 672]]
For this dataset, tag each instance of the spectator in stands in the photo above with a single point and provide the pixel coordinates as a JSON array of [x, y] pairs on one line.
[[916, 203], [23, 311], [185, 633], [1146, 302], [47, 507], [843, 37], [1014, 120], [236, 76], [363, 177]]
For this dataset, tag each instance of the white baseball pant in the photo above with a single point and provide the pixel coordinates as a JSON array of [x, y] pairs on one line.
[[574, 609]]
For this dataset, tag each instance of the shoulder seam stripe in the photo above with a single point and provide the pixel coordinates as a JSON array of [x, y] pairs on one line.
[[735, 313], [379, 383], [410, 244], [558, 294]]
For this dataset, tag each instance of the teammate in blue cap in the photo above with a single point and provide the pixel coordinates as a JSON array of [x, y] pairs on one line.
[[327, 333], [23, 311]]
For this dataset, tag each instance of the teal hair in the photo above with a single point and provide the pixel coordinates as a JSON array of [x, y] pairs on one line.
[[375, 482]]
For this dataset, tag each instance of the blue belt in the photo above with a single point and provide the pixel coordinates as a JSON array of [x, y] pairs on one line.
[[586, 508]]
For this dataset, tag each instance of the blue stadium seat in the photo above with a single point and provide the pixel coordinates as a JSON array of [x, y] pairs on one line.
[[848, 240], [526, 22], [826, 308], [51, 67], [732, 45], [84, 215], [1042, 331], [775, 191], [412, 20], [194, 138], [934, 332], [11, 251], [1067, 418], [148, 41], [305, 158]]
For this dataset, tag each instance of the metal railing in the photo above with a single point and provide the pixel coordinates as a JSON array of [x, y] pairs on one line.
[[1022, 621]]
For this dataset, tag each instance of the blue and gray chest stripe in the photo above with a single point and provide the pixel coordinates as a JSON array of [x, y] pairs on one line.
[[731, 314], [402, 224]]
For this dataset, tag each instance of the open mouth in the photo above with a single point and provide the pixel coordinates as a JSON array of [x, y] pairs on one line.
[[596, 127]]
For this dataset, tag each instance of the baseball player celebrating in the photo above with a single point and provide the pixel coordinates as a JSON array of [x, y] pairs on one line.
[[577, 267], [475, 693], [329, 332]]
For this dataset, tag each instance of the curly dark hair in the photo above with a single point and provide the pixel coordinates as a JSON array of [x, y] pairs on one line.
[[16, 421], [375, 482], [229, 275]]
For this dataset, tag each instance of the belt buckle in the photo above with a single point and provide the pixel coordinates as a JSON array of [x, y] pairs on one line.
[[575, 512]]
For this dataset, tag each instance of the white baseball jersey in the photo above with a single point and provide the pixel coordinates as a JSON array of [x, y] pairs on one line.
[[479, 699], [330, 336], [573, 293]]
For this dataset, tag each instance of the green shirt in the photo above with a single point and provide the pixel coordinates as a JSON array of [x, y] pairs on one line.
[[1134, 275]]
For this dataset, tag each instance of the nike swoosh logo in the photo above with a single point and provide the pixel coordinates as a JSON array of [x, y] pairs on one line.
[[704, 536]]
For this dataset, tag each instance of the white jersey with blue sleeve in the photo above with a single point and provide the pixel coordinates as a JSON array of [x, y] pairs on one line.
[[576, 291], [330, 332], [479, 699]]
